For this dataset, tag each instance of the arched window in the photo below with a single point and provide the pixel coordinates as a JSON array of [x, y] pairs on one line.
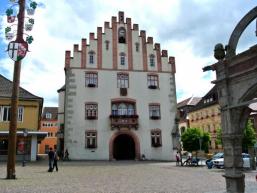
[[122, 35], [152, 61], [122, 58], [91, 57], [131, 110], [114, 109], [122, 109]]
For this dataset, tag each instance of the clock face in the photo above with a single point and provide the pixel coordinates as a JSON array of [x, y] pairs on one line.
[[122, 32]]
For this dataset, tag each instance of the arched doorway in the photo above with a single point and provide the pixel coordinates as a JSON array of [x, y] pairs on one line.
[[124, 147]]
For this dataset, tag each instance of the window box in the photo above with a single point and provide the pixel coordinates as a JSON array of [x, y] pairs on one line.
[[152, 86], [156, 145], [91, 85], [91, 117], [155, 117]]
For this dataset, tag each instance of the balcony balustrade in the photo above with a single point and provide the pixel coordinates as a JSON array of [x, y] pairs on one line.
[[124, 121]]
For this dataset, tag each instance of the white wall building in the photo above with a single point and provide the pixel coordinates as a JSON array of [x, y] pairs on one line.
[[119, 100]]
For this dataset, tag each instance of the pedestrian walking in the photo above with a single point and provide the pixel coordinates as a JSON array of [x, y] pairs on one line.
[[177, 159], [66, 155], [56, 158], [51, 159]]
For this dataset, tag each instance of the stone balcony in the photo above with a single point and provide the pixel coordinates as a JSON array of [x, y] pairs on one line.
[[124, 121]]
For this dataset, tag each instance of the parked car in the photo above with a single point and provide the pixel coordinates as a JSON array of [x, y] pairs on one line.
[[219, 163], [209, 162]]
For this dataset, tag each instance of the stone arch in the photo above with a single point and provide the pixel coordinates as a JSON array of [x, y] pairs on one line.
[[239, 29], [129, 133]]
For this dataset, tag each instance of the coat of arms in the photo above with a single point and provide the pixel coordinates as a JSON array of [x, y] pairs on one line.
[[17, 51]]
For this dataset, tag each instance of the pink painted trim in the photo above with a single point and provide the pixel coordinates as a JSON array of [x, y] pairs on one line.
[[83, 53], [158, 54], [99, 48], [67, 59], [173, 64], [129, 38], [143, 37], [129, 133], [75, 47], [91, 36], [114, 42]]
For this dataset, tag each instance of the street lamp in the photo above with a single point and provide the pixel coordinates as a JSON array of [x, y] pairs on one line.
[[25, 134], [17, 50]]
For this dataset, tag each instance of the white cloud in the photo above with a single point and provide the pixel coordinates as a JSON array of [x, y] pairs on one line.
[[61, 23]]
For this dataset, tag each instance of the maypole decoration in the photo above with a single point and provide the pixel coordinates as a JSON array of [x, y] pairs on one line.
[[17, 50]]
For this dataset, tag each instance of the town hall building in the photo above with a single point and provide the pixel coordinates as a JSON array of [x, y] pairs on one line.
[[119, 98]]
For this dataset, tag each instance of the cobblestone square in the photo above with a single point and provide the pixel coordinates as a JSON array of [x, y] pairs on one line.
[[117, 177]]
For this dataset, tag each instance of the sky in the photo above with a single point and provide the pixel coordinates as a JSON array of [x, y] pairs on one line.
[[188, 29]]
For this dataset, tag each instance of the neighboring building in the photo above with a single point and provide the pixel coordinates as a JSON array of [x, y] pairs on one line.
[[29, 113], [206, 116], [49, 124], [119, 100], [183, 108]]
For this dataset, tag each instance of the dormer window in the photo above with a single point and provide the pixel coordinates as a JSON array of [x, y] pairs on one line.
[[122, 35], [91, 57], [48, 115]]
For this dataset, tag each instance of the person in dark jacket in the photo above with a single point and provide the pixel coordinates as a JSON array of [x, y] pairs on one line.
[[56, 158], [51, 159]]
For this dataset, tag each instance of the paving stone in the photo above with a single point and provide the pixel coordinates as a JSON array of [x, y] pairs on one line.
[[117, 177]]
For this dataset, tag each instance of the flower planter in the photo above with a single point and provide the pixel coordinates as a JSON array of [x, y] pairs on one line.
[[30, 11], [9, 36], [10, 19], [28, 26]]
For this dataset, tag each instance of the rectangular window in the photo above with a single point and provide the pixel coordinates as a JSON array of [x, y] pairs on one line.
[[122, 60], [91, 79], [46, 149], [48, 115], [91, 58], [156, 138], [91, 139], [152, 62], [123, 81], [91, 111], [6, 113], [152, 81], [20, 114], [154, 111]]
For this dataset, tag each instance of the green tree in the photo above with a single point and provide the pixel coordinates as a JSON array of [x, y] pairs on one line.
[[249, 138], [191, 137], [218, 137]]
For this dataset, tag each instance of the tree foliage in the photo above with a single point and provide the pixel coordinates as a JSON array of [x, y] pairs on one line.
[[191, 137], [218, 137], [249, 138]]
